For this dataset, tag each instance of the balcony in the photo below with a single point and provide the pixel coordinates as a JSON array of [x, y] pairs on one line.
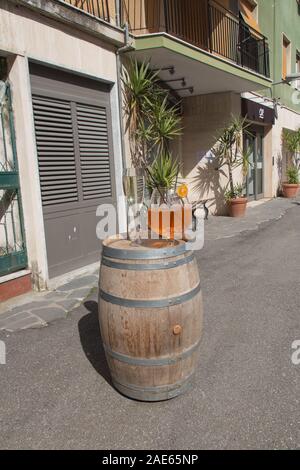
[[204, 24], [99, 8]]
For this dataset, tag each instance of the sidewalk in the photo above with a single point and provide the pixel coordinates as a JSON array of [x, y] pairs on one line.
[[258, 213], [37, 310]]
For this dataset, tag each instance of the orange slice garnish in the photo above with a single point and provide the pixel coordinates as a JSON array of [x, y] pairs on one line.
[[182, 191]]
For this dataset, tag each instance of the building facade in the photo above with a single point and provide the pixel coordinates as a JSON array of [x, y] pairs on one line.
[[60, 65], [228, 54], [62, 147], [281, 22], [216, 52]]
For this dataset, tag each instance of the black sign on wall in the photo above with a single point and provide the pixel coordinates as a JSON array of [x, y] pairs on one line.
[[257, 112]]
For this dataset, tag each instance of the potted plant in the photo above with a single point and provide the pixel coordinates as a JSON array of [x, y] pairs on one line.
[[291, 141], [151, 124], [291, 187], [230, 155], [236, 201]]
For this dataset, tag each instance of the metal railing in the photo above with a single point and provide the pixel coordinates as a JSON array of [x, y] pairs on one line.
[[203, 23], [12, 241], [98, 8]]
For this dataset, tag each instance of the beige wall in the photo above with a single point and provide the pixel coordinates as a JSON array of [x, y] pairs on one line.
[[268, 163], [26, 35], [61, 45], [204, 117], [287, 119]]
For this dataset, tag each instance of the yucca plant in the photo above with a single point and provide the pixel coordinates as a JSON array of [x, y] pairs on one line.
[[237, 192], [229, 150], [292, 174], [163, 172], [165, 124], [151, 122], [138, 88], [291, 141]]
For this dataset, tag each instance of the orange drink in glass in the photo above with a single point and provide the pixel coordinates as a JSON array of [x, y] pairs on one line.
[[170, 222]]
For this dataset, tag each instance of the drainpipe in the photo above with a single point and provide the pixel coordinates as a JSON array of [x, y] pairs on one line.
[[127, 47]]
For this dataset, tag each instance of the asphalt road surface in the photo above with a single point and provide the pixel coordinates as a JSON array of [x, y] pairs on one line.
[[55, 389]]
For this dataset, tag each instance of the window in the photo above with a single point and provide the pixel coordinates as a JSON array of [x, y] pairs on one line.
[[286, 58], [248, 10]]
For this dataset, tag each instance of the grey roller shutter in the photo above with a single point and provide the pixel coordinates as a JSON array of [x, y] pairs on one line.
[[94, 151], [73, 128], [65, 165], [55, 148]]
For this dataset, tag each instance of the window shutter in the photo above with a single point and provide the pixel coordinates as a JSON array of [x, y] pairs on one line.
[[94, 151], [285, 46], [55, 149], [247, 10]]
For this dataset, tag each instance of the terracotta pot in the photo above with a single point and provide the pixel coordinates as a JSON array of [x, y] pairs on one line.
[[290, 190], [237, 207]]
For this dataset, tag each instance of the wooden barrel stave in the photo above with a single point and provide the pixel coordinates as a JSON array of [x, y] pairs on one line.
[[147, 360], [178, 281]]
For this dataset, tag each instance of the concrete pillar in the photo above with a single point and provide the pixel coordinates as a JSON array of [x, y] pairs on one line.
[[268, 163], [28, 170]]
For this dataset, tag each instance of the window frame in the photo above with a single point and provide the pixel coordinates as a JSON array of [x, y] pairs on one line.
[[285, 40]]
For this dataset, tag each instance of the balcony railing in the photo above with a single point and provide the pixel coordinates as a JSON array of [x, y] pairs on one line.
[[204, 24], [99, 8]]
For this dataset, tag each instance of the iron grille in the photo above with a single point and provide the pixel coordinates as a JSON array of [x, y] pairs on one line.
[[12, 240]]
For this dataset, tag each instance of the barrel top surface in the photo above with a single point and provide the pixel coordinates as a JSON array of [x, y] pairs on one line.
[[148, 249]]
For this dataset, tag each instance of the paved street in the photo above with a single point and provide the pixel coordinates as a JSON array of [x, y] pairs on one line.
[[56, 393]]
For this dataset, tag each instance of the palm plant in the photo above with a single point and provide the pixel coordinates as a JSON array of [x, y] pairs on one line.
[[292, 174], [138, 88], [165, 124], [151, 122], [163, 172], [291, 141], [230, 154]]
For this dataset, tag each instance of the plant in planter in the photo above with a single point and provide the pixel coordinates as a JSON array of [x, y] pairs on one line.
[[291, 187], [236, 201], [151, 124], [230, 156], [291, 141]]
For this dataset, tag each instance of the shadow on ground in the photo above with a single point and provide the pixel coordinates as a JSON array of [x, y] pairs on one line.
[[91, 341]]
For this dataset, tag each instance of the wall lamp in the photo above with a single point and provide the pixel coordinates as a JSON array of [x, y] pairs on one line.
[[171, 69], [189, 88], [182, 80], [288, 79]]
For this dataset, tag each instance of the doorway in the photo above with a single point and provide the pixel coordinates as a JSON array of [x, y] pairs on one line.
[[254, 141]]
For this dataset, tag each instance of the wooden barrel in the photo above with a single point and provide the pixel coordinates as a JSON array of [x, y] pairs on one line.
[[150, 313]]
